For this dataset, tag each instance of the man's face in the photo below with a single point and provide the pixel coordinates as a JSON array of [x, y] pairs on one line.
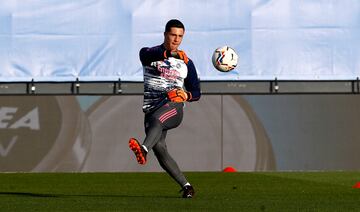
[[173, 38]]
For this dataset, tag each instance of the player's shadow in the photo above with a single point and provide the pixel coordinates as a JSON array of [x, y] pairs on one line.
[[44, 195]]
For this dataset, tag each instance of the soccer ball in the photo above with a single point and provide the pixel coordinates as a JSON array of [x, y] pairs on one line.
[[224, 59]]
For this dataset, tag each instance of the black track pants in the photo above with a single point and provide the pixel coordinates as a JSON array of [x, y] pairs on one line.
[[157, 123]]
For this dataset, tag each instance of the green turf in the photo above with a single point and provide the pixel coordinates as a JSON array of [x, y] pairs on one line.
[[249, 191]]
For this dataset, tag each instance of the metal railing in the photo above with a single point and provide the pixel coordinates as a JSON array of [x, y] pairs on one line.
[[207, 87]]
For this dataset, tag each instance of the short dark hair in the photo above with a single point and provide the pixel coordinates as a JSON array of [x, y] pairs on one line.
[[174, 23]]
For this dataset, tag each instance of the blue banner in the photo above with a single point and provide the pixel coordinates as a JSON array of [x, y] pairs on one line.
[[99, 40]]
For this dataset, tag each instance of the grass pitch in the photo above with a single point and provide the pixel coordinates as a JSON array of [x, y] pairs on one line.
[[215, 191]]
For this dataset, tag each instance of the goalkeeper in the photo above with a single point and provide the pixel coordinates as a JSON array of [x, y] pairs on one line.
[[170, 79]]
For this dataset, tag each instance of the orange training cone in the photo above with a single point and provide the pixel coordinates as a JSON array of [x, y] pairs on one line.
[[229, 169], [357, 185]]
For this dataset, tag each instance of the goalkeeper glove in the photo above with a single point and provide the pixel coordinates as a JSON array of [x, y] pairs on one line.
[[178, 95], [179, 54]]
